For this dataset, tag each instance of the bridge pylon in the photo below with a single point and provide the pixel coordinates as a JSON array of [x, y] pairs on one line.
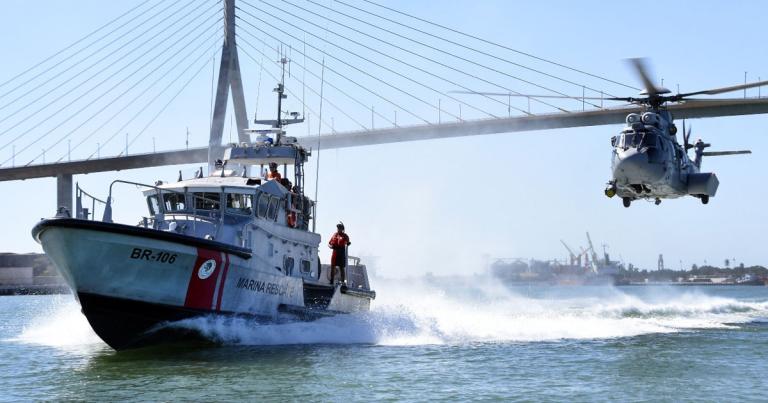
[[229, 77]]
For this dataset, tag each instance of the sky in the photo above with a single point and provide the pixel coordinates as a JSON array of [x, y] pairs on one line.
[[451, 206]]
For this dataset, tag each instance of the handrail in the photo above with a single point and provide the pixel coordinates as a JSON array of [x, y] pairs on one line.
[[80, 212]]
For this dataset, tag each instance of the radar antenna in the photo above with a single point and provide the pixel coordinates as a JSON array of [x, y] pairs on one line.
[[279, 123]]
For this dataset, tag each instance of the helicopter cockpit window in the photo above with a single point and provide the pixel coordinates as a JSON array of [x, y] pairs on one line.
[[638, 139], [174, 202], [207, 201], [630, 139]]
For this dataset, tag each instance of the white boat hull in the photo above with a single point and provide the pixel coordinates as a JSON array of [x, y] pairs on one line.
[[131, 280]]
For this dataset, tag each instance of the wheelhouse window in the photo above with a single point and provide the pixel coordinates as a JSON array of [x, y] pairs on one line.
[[272, 209], [174, 202], [240, 203], [263, 203], [154, 205], [207, 201]]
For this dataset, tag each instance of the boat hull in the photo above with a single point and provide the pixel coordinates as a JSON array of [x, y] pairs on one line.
[[130, 281]]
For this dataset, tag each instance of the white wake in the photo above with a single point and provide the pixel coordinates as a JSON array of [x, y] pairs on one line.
[[415, 313]]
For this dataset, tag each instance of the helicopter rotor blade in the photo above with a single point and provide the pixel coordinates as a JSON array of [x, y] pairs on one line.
[[723, 90], [719, 153], [641, 67]]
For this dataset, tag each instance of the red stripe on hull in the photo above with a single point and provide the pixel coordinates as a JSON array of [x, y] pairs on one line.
[[200, 291], [223, 281]]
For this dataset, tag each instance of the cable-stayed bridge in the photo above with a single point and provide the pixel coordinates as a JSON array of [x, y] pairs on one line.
[[385, 76]]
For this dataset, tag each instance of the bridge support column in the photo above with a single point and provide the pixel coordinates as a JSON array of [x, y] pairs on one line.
[[64, 192]]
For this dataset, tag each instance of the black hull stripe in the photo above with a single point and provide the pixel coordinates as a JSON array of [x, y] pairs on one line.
[[138, 232], [125, 324]]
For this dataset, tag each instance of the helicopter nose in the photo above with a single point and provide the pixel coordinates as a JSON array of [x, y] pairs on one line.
[[632, 166]]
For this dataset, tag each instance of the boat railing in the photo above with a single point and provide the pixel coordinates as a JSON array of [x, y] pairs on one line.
[[81, 212]]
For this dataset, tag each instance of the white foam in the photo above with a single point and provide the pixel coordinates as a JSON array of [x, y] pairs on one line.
[[458, 311], [413, 313], [61, 325]]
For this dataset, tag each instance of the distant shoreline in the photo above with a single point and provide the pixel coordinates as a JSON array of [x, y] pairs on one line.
[[34, 290]]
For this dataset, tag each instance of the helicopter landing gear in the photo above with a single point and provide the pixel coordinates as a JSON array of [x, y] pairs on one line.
[[657, 201], [704, 199], [626, 201]]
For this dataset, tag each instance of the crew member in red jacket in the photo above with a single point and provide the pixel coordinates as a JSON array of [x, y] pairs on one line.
[[339, 242]]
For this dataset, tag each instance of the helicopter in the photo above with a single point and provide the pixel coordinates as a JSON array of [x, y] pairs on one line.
[[647, 161]]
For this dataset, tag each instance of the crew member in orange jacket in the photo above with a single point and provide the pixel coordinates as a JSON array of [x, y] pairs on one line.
[[339, 242], [273, 174]]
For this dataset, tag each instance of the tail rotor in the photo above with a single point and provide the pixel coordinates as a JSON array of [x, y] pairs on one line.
[[687, 137]]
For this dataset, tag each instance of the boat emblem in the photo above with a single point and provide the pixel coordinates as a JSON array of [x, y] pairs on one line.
[[206, 269]]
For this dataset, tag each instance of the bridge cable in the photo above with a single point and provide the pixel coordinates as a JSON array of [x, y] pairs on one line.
[[29, 69], [341, 75], [335, 87], [113, 87], [293, 94], [303, 82], [346, 63], [468, 48], [390, 57], [148, 88], [26, 93], [119, 97], [170, 101], [303, 67], [481, 40], [369, 61], [432, 60], [121, 47], [104, 80]]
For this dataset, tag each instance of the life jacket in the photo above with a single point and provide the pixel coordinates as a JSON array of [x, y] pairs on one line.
[[338, 242], [274, 175]]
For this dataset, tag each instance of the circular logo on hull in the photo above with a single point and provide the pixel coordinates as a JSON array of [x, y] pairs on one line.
[[206, 269]]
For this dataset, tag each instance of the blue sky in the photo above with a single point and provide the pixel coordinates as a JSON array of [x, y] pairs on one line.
[[447, 206]]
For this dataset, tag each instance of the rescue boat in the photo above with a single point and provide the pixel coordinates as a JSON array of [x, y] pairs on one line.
[[226, 244]]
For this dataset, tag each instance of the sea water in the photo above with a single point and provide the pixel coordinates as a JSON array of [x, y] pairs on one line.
[[436, 339]]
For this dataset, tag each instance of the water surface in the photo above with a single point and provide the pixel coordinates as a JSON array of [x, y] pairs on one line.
[[458, 340]]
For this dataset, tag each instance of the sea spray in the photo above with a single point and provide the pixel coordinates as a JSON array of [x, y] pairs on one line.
[[60, 324], [451, 310], [465, 310]]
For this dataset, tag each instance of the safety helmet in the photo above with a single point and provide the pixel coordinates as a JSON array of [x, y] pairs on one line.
[[273, 165], [340, 225]]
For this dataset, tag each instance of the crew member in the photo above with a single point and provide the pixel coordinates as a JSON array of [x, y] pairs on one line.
[[273, 174], [339, 243]]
